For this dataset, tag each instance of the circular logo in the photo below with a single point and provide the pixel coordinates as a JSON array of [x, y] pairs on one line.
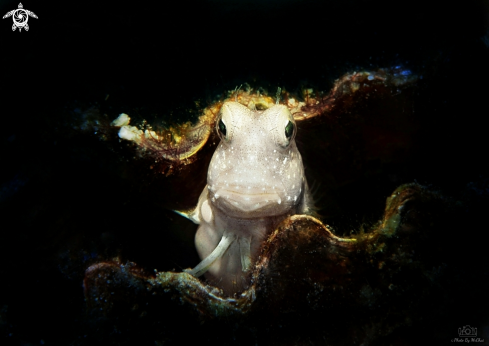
[[20, 17]]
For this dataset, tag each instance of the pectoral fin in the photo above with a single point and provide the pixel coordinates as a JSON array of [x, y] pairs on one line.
[[192, 215], [245, 251]]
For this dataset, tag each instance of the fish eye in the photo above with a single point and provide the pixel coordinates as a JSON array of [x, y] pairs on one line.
[[222, 128], [289, 130]]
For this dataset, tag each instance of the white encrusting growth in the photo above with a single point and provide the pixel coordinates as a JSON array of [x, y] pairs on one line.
[[122, 120], [130, 133]]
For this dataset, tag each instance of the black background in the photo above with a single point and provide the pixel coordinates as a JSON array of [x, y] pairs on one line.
[[158, 58]]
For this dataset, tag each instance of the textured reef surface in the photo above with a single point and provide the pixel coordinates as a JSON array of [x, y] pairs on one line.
[[359, 288], [349, 290]]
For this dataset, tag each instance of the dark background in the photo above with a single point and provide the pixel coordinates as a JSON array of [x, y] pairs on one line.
[[68, 198]]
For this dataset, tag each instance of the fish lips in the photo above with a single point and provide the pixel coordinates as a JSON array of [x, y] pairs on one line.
[[248, 204]]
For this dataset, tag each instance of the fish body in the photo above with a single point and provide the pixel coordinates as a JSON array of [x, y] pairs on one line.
[[255, 180]]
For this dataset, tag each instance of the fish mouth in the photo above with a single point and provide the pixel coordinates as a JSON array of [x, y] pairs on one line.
[[246, 201]]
